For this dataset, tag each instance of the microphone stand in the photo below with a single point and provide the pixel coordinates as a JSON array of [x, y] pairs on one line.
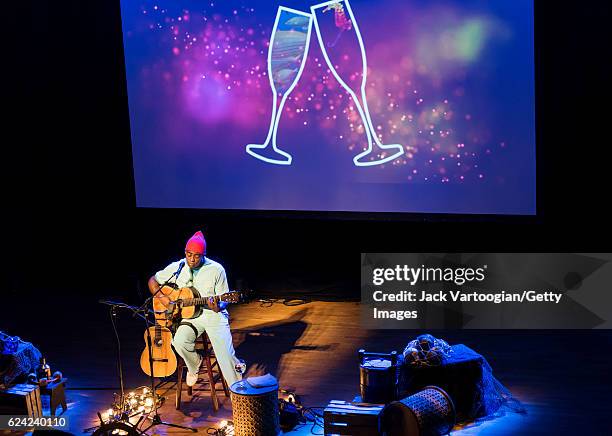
[[156, 419], [143, 312], [113, 314]]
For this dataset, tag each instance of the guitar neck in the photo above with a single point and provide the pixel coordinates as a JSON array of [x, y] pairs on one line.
[[201, 301], [228, 297]]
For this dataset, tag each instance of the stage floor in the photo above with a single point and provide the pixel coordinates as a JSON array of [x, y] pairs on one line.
[[561, 377]]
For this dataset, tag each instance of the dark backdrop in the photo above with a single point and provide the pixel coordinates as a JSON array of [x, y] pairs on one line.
[[72, 226]]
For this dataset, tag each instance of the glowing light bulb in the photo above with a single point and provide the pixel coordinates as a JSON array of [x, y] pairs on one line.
[[149, 402], [145, 391], [223, 424], [132, 394]]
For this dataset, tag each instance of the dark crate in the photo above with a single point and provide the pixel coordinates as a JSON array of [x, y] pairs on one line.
[[21, 399], [344, 418]]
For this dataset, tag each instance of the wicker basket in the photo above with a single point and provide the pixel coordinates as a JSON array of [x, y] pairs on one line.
[[255, 409], [426, 413]]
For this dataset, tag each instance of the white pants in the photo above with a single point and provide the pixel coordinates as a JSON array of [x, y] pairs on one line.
[[217, 327]]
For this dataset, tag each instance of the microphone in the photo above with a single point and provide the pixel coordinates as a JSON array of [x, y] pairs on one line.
[[180, 268]]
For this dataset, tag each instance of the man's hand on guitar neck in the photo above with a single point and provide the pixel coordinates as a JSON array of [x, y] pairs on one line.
[[215, 305]]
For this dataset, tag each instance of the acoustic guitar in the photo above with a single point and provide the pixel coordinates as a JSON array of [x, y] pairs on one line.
[[164, 359], [172, 304]]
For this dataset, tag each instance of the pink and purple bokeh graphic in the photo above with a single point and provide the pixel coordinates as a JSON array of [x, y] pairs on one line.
[[452, 81]]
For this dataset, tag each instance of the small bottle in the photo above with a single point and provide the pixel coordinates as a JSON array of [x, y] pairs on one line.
[[240, 366], [43, 370]]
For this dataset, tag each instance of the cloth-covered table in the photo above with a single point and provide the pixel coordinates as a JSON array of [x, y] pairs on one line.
[[22, 362]]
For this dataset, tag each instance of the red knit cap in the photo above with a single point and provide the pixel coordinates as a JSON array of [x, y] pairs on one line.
[[196, 244]]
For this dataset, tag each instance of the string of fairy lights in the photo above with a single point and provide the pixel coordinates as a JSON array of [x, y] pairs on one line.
[[131, 405]]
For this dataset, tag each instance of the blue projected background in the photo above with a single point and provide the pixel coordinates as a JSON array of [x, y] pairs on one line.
[[242, 105]]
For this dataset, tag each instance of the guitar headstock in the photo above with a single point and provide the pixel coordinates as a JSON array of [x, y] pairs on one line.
[[236, 296]]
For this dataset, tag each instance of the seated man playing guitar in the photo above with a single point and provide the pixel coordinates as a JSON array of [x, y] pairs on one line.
[[209, 278]]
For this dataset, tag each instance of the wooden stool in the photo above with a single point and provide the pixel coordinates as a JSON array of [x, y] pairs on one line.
[[213, 372]]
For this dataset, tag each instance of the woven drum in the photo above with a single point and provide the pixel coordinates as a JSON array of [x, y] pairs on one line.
[[426, 413], [255, 409]]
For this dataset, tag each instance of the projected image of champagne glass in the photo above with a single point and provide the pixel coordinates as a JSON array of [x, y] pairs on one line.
[[335, 24], [287, 54]]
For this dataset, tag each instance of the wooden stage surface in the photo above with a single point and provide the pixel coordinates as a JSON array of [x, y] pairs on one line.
[[312, 348]]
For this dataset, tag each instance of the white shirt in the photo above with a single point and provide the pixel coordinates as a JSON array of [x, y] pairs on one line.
[[209, 279]]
